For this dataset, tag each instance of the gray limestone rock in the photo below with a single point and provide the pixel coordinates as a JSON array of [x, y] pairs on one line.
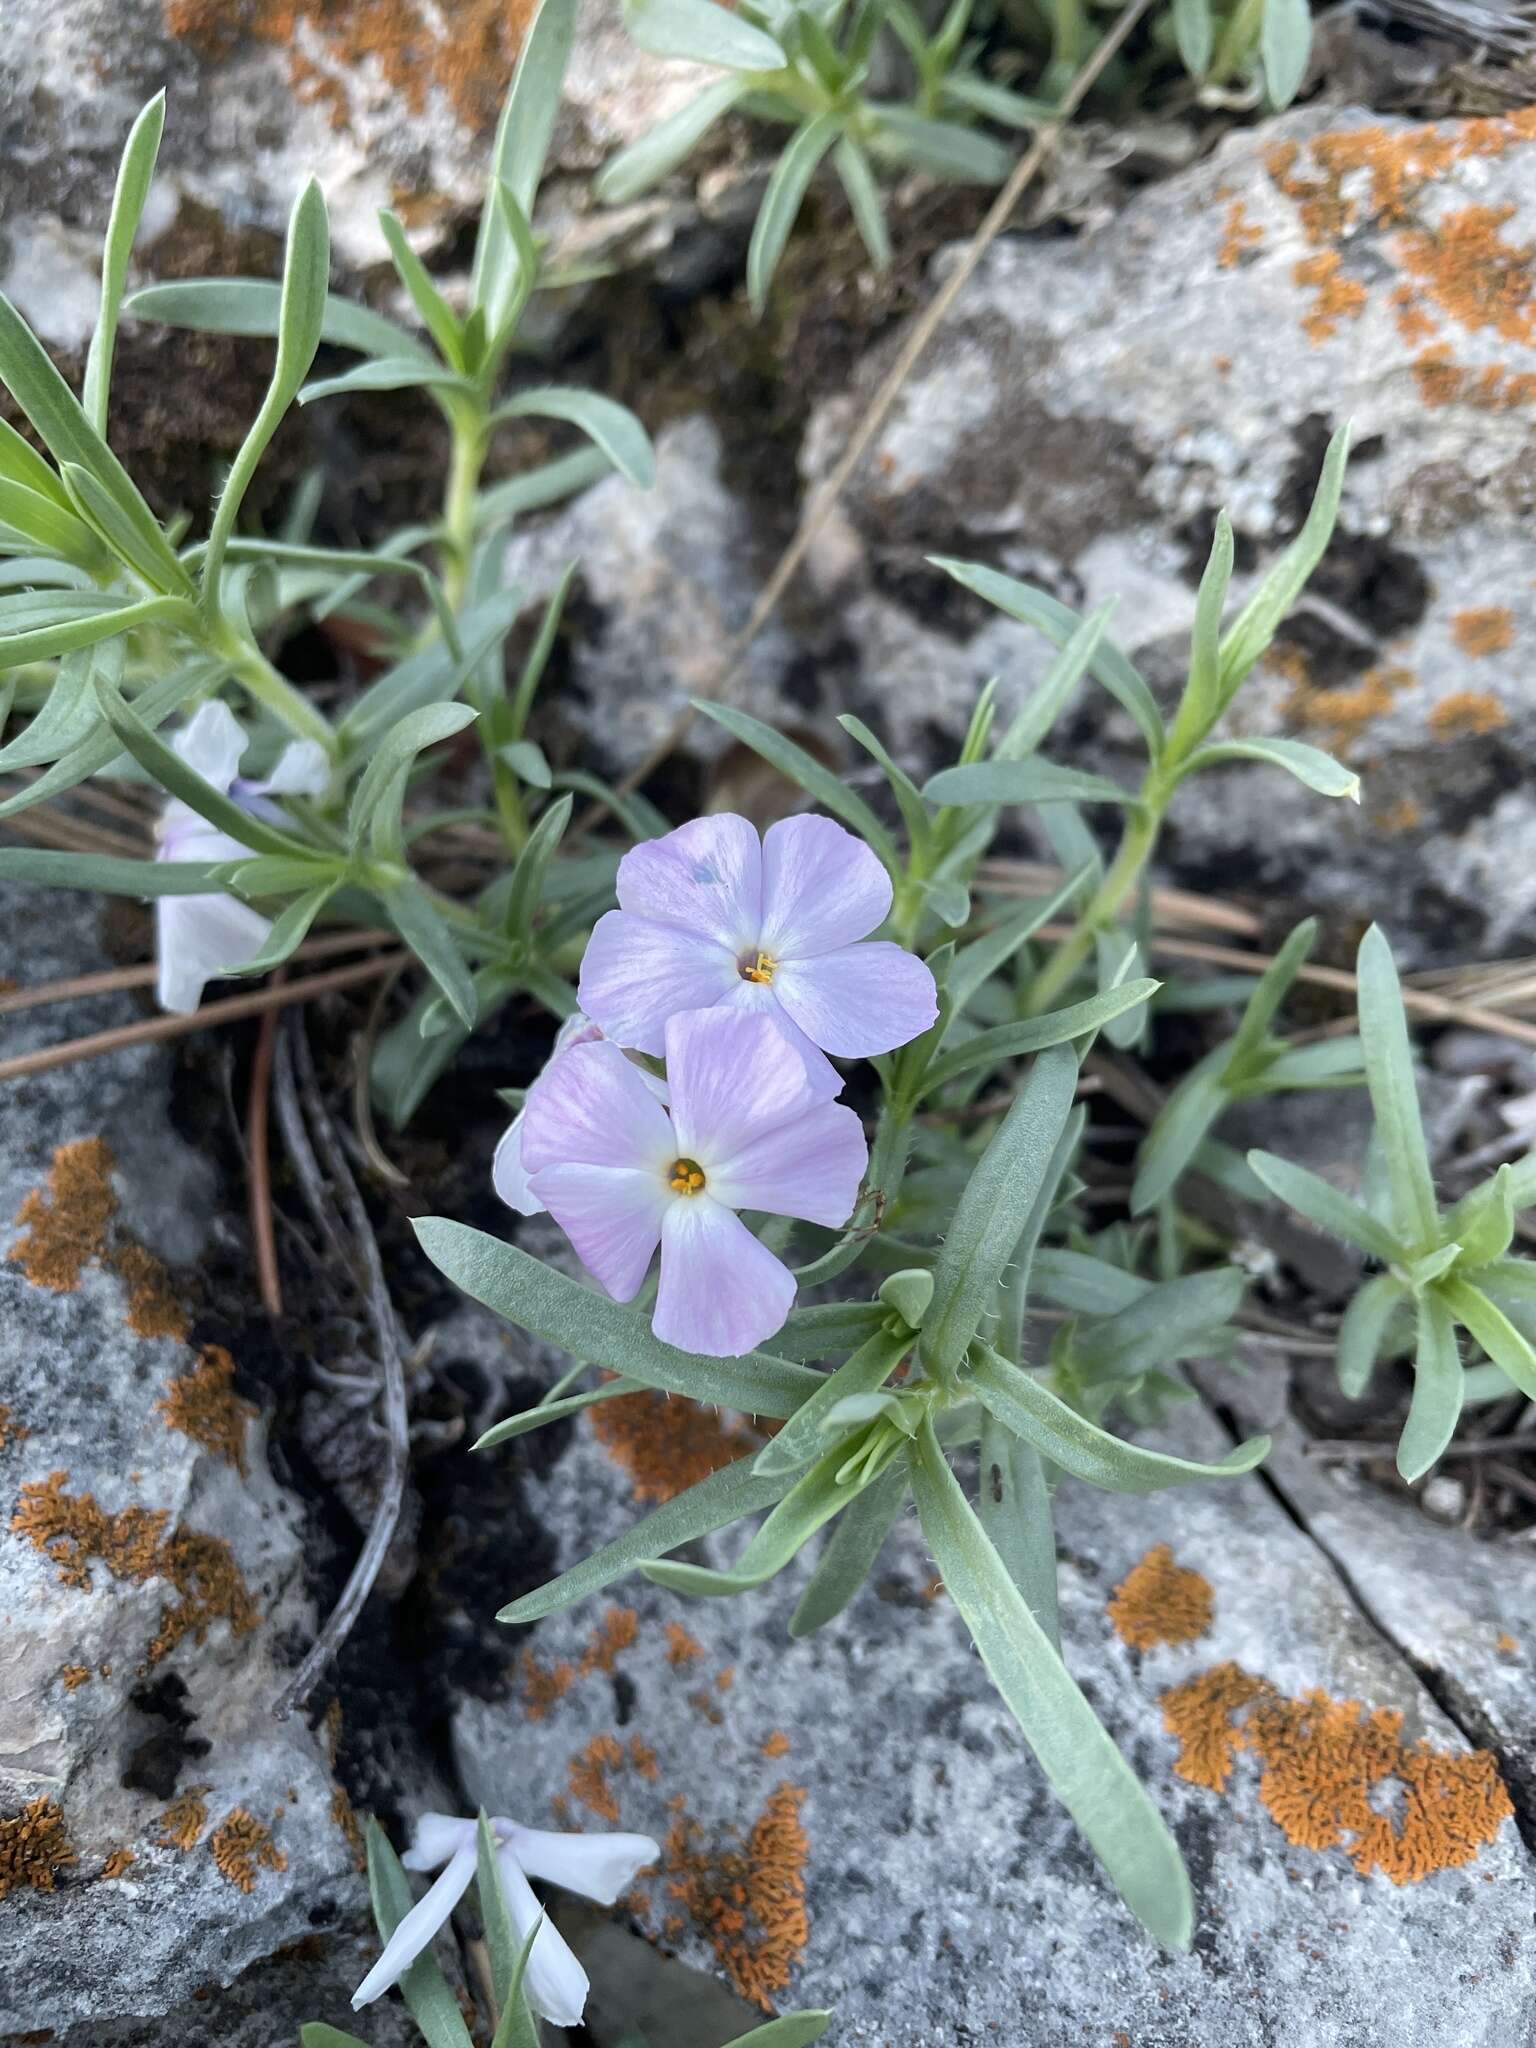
[[948, 1897]]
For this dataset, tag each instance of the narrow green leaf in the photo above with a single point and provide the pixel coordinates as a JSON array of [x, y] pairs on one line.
[[1034, 1034], [702, 33], [437, 316], [785, 193], [800, 1441], [36, 519], [1166, 1323], [432, 2005], [864, 201], [1437, 1391], [909, 802], [1319, 771], [993, 1210], [1178, 1131], [1271, 990], [527, 122], [1323, 1204], [102, 622], [1363, 1331], [1085, 1769], [812, 1500], [976, 963], [66, 715], [1285, 42], [517, 2027], [133, 179], [1490, 1328], [611, 427], [1200, 706], [590, 1326], [1051, 696], [110, 875], [374, 813], [253, 306], [1193, 33], [826, 1329], [645, 162], [552, 1411], [819, 783], [21, 464], [289, 930], [790, 2030], [944, 149], [1254, 626], [532, 673], [316, 2034], [1483, 1223], [146, 553], [1014, 1507], [1086, 1285], [501, 1941], [1394, 1091], [388, 373], [849, 1554], [549, 484], [430, 937], [1035, 781]]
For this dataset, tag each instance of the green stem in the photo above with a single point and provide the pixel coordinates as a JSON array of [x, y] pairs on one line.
[[465, 464], [1242, 34], [1134, 851], [260, 680]]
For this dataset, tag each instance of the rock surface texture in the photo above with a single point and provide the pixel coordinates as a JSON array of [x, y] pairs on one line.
[[159, 1830], [854, 1821]]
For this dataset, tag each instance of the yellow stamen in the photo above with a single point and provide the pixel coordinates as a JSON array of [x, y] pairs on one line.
[[685, 1178], [761, 969]]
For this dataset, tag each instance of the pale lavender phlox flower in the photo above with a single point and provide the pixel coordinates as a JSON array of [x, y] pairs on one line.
[[198, 937], [509, 1176], [712, 915], [599, 1867], [746, 1128]]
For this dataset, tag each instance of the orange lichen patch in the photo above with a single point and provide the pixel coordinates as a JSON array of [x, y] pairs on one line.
[[748, 1902], [1505, 1644], [1472, 274], [1402, 816], [154, 1310], [1344, 713], [615, 1632], [76, 1533], [1241, 235], [67, 1220], [643, 1759], [703, 1703], [464, 53], [665, 1446], [776, 1744], [588, 1775], [1335, 297], [725, 1678], [184, 1820], [11, 1431], [344, 1816], [74, 1676], [117, 1862], [34, 1848], [544, 1684], [1159, 1601], [203, 1405], [1329, 1768], [1483, 629], [1467, 712], [239, 1844], [682, 1648]]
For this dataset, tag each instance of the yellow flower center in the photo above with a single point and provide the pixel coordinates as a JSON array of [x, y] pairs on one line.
[[759, 969], [686, 1177]]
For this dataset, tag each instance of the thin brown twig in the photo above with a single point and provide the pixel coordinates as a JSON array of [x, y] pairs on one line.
[[258, 1163], [302, 1111], [113, 979], [150, 1030], [874, 415], [49, 827]]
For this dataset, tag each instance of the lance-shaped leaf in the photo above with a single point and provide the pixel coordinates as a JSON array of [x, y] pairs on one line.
[[850, 1551], [1035, 1034], [1437, 1390], [375, 811], [110, 875], [1085, 1769], [1170, 1321], [1285, 40], [611, 427], [1255, 625], [785, 193], [702, 33], [66, 715], [789, 2030], [864, 201], [98, 747], [993, 1211], [1483, 1223], [389, 373], [253, 306], [811, 1501], [1363, 1331], [1014, 1507], [818, 782], [133, 177], [1394, 1092], [35, 519], [437, 316], [1194, 34], [316, 2034], [417, 919], [553, 1411], [105, 619], [646, 162], [537, 488], [723, 1497], [1084, 1284], [1323, 1204], [975, 964], [801, 1440], [1079, 1446], [1489, 1326], [588, 1325], [1309, 765], [1200, 706], [1033, 781], [1179, 1129], [432, 2005]]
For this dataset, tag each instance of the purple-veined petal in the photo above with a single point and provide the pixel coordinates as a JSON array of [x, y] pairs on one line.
[[860, 1000], [418, 1927], [599, 1867], [436, 1837], [612, 1215], [554, 1983], [509, 1176], [822, 888], [707, 876], [809, 1168], [637, 973], [211, 743], [722, 1293], [730, 1076], [757, 999], [198, 938], [591, 1107]]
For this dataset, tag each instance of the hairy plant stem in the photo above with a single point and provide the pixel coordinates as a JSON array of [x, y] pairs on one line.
[[260, 680], [1134, 851]]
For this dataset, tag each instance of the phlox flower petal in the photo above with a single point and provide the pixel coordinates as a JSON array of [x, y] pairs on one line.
[[636, 972], [595, 1110], [554, 1982], [200, 937], [436, 1837], [612, 1215], [416, 1930], [721, 1293], [822, 888], [706, 877], [810, 1168], [730, 1077], [860, 1000], [600, 1867]]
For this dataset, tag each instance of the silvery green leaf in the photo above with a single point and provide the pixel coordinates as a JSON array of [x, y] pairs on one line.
[[253, 306], [501, 1941], [1486, 1383], [1109, 667], [993, 1210], [850, 1551], [1254, 626], [1178, 1130], [374, 812], [1437, 1390], [432, 2005], [782, 199], [590, 1326], [1051, 696], [789, 2030], [1033, 781], [300, 322], [812, 1500], [430, 937], [1325, 1205], [359, 566], [1172, 1320], [818, 782], [1086, 1771], [1310, 765], [1034, 1034], [538, 488], [104, 621], [532, 864], [1118, 957], [1271, 990], [995, 102], [1394, 1092], [611, 427], [527, 763], [1490, 1328], [1429, 1267], [950, 902], [110, 875], [976, 963], [1014, 1508], [517, 2027], [429, 677], [826, 1329], [21, 464], [864, 201], [1363, 1331], [552, 1411], [1285, 42], [532, 672], [909, 802], [523, 132], [406, 1064], [646, 162], [800, 1441], [66, 715], [702, 33], [437, 316], [1194, 34], [289, 930], [1079, 1446], [1084, 1284], [1483, 1223], [147, 554], [99, 747], [941, 148], [132, 189], [389, 373], [1510, 1279], [316, 2034], [1330, 1063], [725, 1496], [33, 519], [1200, 706]]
